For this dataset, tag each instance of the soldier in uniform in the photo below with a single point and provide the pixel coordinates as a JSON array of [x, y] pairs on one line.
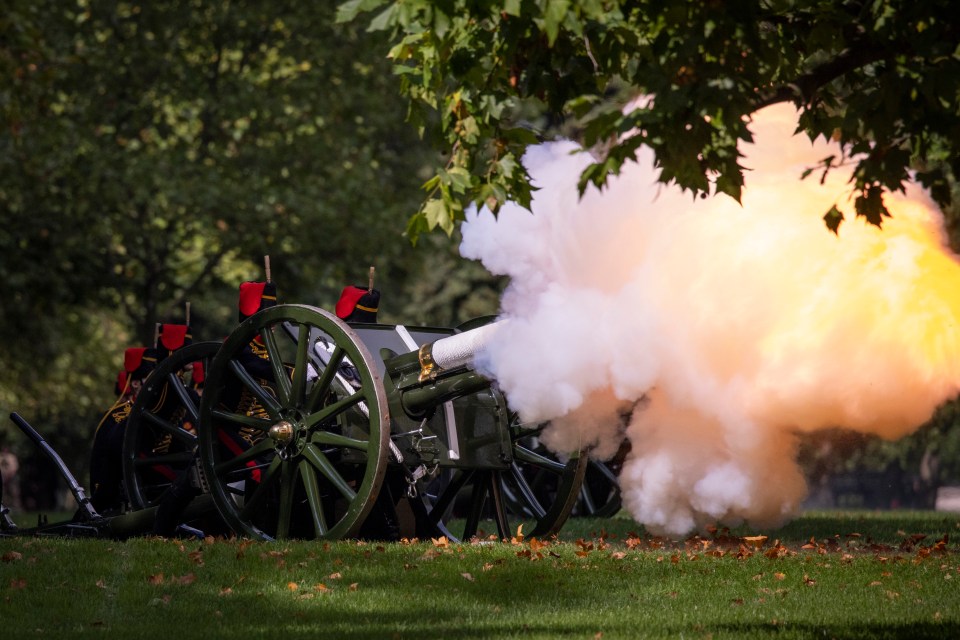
[[106, 458]]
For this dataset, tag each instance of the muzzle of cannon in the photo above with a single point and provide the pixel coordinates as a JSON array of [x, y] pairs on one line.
[[438, 371]]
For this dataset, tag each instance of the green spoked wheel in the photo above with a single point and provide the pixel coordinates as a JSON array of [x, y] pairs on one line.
[[600, 493], [537, 490], [294, 426], [160, 438]]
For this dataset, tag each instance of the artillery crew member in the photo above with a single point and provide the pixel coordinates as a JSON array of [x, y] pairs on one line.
[[106, 458]]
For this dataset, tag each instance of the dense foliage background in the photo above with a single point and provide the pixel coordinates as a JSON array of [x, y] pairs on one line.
[[152, 153]]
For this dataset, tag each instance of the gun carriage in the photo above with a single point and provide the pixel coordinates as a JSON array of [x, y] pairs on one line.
[[311, 427]]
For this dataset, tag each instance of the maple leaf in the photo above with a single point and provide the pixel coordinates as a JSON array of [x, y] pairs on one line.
[[755, 541], [321, 588], [155, 579], [536, 545], [441, 542], [292, 586], [780, 576], [12, 556]]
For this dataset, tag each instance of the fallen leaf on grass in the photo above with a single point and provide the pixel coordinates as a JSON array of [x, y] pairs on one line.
[[155, 579], [12, 556], [353, 586], [335, 576], [780, 576], [755, 541], [468, 577], [226, 591], [321, 588], [441, 542], [292, 586], [101, 584], [18, 583], [185, 579]]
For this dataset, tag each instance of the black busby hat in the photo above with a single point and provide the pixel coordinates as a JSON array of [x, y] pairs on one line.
[[358, 304]]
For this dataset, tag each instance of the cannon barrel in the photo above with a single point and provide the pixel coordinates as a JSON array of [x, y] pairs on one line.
[[438, 371]]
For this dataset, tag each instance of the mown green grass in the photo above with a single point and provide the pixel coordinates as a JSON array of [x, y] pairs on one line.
[[864, 575]]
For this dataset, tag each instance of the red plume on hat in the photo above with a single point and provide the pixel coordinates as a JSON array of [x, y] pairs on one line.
[[171, 337], [358, 304], [256, 296], [138, 362]]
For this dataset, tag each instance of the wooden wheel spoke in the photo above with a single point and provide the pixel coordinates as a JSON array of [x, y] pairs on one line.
[[335, 409], [188, 439], [238, 418], [300, 366], [322, 384], [528, 456], [448, 494], [242, 459], [326, 438], [186, 401], [526, 492], [499, 506], [275, 358], [266, 399], [268, 477], [478, 499], [322, 463], [312, 489], [179, 458], [288, 474]]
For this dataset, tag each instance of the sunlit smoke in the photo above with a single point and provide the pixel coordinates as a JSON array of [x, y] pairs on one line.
[[709, 333]]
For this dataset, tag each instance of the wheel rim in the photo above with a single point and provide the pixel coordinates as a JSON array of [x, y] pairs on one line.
[[600, 493], [293, 442], [160, 438], [538, 490]]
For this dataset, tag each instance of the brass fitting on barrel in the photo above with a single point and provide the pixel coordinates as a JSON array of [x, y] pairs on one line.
[[427, 366]]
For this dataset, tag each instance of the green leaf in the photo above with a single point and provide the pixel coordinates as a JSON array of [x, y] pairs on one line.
[[351, 9], [833, 218]]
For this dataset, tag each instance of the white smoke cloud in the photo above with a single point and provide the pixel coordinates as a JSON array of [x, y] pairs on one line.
[[720, 330]]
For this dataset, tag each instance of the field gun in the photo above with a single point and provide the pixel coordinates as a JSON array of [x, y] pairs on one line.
[[309, 424], [309, 427]]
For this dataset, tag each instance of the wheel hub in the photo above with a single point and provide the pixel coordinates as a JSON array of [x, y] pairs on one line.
[[281, 433]]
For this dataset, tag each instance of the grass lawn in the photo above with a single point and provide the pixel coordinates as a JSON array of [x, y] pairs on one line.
[[825, 575]]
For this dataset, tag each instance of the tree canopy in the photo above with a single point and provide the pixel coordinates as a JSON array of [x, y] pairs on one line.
[[488, 79], [152, 153]]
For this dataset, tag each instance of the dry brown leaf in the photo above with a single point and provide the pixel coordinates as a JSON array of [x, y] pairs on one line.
[[101, 584], [469, 577], [226, 591], [321, 588], [335, 576], [187, 578], [155, 579], [292, 586], [875, 583], [12, 556], [353, 586], [18, 583], [755, 541], [441, 542], [779, 576]]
